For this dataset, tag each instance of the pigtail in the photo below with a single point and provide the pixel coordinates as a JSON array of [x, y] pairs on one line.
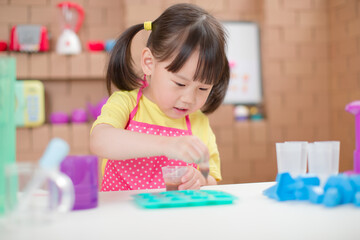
[[120, 71]]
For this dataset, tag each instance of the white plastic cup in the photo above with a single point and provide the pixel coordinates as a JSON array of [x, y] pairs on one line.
[[292, 157], [324, 159]]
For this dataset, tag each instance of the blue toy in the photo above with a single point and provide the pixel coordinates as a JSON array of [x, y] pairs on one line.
[[339, 189], [288, 188], [357, 199], [303, 185], [355, 181], [332, 197], [285, 188], [344, 188], [270, 192], [109, 45], [316, 195]]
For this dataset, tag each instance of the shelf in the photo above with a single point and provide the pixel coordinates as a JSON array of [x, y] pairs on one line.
[[52, 66]]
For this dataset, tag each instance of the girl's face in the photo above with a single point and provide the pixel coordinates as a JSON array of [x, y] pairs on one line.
[[177, 94]]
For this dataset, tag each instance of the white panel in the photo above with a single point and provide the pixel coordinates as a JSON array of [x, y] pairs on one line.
[[245, 66]]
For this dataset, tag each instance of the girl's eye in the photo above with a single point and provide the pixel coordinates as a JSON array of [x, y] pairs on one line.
[[203, 89], [179, 84]]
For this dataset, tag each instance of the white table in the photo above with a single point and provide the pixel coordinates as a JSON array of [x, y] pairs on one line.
[[253, 216]]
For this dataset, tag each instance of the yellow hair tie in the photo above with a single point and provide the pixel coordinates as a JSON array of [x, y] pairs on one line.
[[147, 25]]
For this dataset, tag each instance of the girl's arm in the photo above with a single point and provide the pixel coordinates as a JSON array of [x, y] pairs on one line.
[[114, 143]]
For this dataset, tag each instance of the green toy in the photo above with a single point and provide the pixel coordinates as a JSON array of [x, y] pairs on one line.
[[7, 124]]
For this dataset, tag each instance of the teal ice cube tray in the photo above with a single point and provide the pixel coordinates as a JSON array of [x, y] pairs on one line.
[[183, 198]]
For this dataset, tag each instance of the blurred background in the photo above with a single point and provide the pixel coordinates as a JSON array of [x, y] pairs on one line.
[[310, 68]]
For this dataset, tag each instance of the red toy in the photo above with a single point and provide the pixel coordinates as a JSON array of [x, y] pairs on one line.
[[3, 46], [94, 46], [29, 38]]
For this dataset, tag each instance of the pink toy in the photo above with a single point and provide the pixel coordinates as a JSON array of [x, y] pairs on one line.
[[59, 118], [232, 64], [95, 110], [79, 116]]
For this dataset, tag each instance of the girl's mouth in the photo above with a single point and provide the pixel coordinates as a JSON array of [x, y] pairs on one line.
[[180, 109]]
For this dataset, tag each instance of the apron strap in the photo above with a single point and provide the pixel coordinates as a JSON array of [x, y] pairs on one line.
[[144, 85], [188, 124]]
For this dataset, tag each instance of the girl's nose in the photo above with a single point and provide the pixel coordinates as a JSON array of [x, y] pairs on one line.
[[189, 96]]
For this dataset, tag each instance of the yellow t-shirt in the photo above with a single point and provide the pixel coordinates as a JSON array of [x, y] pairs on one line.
[[117, 109]]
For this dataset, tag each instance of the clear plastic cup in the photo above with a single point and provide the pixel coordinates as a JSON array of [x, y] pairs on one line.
[[292, 157], [55, 194], [324, 159], [172, 176]]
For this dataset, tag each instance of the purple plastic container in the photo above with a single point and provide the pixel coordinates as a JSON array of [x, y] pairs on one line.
[[83, 172]]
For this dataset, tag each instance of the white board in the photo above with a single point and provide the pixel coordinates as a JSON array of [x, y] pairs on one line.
[[243, 53]]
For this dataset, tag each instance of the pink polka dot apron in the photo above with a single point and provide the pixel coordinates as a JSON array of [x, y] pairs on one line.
[[142, 173]]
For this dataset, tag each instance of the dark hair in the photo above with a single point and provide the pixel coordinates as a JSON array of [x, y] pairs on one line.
[[181, 30]]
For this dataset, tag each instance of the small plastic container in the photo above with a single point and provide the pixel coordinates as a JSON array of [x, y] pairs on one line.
[[292, 157], [83, 171], [324, 159], [172, 176]]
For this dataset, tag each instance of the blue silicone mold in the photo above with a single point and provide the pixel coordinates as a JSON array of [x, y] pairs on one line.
[[183, 198]]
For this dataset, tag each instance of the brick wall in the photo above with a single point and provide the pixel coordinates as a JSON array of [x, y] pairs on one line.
[[310, 55], [344, 80], [295, 75]]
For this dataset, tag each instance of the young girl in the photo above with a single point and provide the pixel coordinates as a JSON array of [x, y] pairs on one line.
[[160, 120]]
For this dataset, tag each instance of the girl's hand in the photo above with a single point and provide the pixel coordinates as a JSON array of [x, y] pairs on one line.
[[186, 148], [192, 179]]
